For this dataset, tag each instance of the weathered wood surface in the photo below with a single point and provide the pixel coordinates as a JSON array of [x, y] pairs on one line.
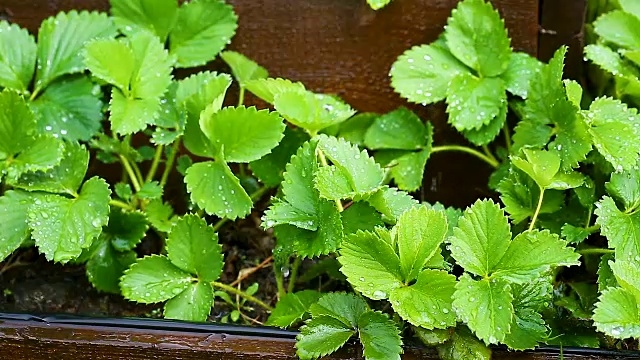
[[37, 340]]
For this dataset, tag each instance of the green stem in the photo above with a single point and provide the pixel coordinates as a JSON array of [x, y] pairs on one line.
[[294, 274], [507, 136], [137, 171], [154, 165], [280, 282], [132, 174], [323, 161], [487, 152], [121, 205], [254, 197], [35, 93], [596, 251], [241, 96], [241, 293], [494, 163], [535, 214], [169, 164]]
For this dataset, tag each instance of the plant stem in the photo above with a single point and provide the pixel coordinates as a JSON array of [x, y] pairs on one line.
[[507, 137], [132, 174], [280, 282], [241, 96], [487, 152], [137, 171], [169, 164], [241, 293], [493, 162], [535, 214], [121, 205], [595, 251], [254, 197], [294, 274], [154, 165], [323, 161]]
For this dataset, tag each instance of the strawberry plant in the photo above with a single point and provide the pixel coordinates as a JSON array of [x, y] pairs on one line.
[[337, 183]]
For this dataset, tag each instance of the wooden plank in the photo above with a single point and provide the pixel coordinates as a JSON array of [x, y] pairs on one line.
[[36, 340], [562, 23]]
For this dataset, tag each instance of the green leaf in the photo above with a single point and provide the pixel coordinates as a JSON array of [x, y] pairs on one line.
[[99, 55], [380, 336], [347, 308], [541, 165], [574, 234], [420, 231], [267, 89], [125, 229], [428, 302], [486, 134], [153, 279], [153, 65], [351, 167], [243, 68], [473, 102], [150, 191], [607, 59], [476, 35], [17, 64], [527, 330], [315, 243], [533, 253], [215, 188], [614, 130], [574, 92], [631, 7], [160, 215], [606, 277], [270, 168], [14, 227], [69, 108], [202, 30], [400, 129], [621, 229], [321, 336], [391, 203], [530, 133], [520, 194], [292, 307], [65, 178], [522, 68], [106, 266], [312, 112], [464, 346], [155, 16], [619, 28], [17, 124], [198, 92], [625, 187], [481, 238], [360, 216], [131, 115], [193, 304], [62, 227], [617, 314], [355, 128], [371, 264], [407, 169], [423, 73], [627, 274], [243, 134], [485, 306], [193, 247], [61, 40], [378, 4], [572, 141]]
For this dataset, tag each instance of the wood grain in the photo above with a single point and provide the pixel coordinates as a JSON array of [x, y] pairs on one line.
[[34, 340]]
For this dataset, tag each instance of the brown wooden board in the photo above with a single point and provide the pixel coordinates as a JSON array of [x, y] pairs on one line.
[[344, 47], [146, 339]]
